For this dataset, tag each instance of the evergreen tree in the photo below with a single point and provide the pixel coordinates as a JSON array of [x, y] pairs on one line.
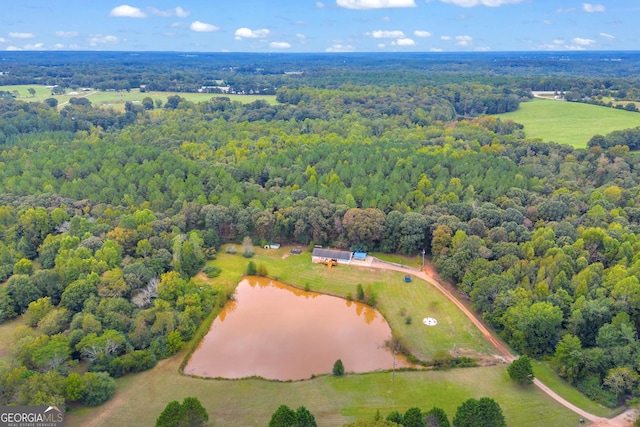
[[170, 417], [338, 368], [521, 370], [436, 417], [283, 417], [479, 413], [304, 418]]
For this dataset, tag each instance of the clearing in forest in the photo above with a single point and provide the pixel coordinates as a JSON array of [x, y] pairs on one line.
[[570, 123]]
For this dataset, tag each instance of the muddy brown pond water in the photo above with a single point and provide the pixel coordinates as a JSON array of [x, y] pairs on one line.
[[275, 331]]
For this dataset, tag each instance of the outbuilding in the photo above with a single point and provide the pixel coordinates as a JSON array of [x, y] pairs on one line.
[[324, 255]]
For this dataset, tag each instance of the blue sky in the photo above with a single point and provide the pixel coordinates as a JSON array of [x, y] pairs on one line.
[[319, 26]]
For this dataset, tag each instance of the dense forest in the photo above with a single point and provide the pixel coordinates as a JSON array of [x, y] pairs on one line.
[[105, 216]]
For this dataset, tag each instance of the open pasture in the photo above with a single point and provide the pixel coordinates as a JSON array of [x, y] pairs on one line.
[[117, 100], [570, 123], [333, 400]]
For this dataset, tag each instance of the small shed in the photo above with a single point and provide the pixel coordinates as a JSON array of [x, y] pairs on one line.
[[323, 255], [272, 246], [359, 256]]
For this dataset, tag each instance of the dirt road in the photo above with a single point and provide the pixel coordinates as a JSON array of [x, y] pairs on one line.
[[429, 275]]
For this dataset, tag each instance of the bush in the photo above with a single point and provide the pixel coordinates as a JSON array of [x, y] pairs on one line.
[[251, 268], [212, 271], [231, 249], [407, 320], [261, 270], [338, 368], [98, 388]]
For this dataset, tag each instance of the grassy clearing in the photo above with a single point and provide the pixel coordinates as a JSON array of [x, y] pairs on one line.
[[6, 336], [116, 100], [570, 122], [544, 373], [334, 401]]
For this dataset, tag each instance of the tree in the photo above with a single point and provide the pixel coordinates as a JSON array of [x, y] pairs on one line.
[[98, 388], [479, 413], [192, 413], [247, 247], [413, 418], [251, 268], [304, 418], [283, 417], [51, 102], [338, 368], [521, 370], [170, 416], [436, 417]]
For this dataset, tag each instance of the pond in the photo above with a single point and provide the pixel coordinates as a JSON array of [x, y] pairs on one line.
[[275, 331]]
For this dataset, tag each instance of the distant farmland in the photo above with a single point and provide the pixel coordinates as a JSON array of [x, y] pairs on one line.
[[116, 100], [570, 122]]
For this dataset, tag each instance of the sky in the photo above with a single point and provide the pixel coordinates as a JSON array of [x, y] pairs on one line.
[[319, 26]]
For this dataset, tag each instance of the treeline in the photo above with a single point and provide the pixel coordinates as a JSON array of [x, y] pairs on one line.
[[624, 138]]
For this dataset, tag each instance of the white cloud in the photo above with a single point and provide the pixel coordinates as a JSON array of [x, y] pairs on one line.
[[404, 42], [338, 47], [419, 33], [320, 5], [279, 45], [547, 22], [301, 36], [472, 3], [36, 46], [566, 10], [482, 49], [13, 48], [607, 36], [558, 41], [435, 49], [588, 7], [374, 4], [202, 27], [247, 33], [66, 34], [176, 11], [22, 35], [58, 46], [383, 34], [445, 37], [583, 42], [126, 11], [464, 40], [3, 40], [382, 45], [97, 39]]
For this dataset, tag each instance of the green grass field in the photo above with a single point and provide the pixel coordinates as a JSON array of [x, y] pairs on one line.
[[544, 373], [334, 401], [116, 100], [570, 122]]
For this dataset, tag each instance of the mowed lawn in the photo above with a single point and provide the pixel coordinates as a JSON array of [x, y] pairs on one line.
[[334, 401], [117, 100], [570, 123]]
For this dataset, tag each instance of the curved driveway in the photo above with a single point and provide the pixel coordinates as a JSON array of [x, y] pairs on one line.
[[422, 274]]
